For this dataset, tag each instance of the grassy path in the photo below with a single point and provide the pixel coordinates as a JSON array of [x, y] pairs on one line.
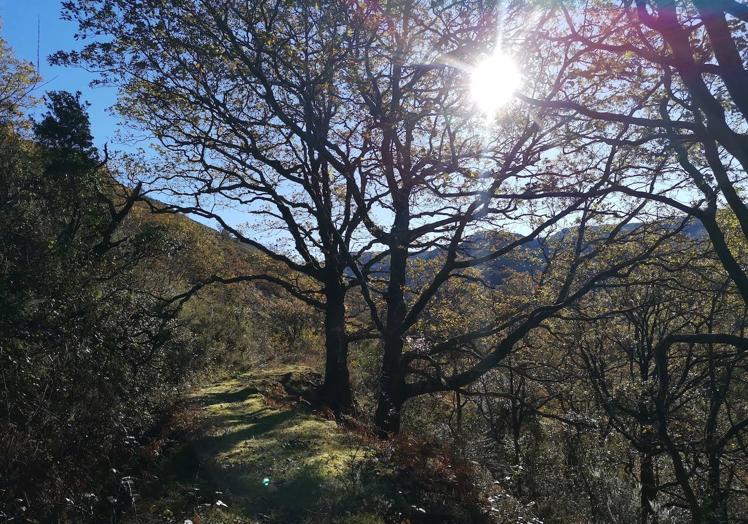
[[250, 458]]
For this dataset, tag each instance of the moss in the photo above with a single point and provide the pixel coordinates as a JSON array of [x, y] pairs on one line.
[[313, 466]]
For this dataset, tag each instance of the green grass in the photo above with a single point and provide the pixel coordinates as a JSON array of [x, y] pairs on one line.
[[318, 472]]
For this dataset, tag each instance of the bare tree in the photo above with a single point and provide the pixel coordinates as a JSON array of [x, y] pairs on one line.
[[245, 100], [425, 162], [341, 126], [673, 74], [668, 381]]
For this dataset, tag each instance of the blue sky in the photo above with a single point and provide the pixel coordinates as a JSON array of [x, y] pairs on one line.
[[19, 29]]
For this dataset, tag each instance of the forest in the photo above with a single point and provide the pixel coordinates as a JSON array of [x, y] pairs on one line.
[[379, 261]]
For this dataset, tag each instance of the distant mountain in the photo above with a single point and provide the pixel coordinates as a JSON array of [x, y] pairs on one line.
[[526, 257]]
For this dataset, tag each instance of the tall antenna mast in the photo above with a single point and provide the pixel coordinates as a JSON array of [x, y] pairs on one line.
[[38, 38]]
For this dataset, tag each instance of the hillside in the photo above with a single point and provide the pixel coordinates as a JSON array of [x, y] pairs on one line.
[[528, 257]]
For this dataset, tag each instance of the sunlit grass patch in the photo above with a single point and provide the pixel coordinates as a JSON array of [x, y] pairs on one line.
[[264, 461]]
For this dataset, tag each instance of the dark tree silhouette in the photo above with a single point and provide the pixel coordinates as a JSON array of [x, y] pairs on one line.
[[246, 101], [342, 126], [672, 74]]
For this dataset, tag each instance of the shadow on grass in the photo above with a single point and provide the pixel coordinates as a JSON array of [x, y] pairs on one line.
[[227, 441], [228, 397]]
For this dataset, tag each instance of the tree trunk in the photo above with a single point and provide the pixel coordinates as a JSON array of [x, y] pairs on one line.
[[715, 503], [516, 419], [715, 509], [336, 390], [392, 379], [661, 410], [391, 389], [648, 488]]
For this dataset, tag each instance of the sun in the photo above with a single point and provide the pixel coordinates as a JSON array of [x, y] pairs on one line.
[[493, 82]]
